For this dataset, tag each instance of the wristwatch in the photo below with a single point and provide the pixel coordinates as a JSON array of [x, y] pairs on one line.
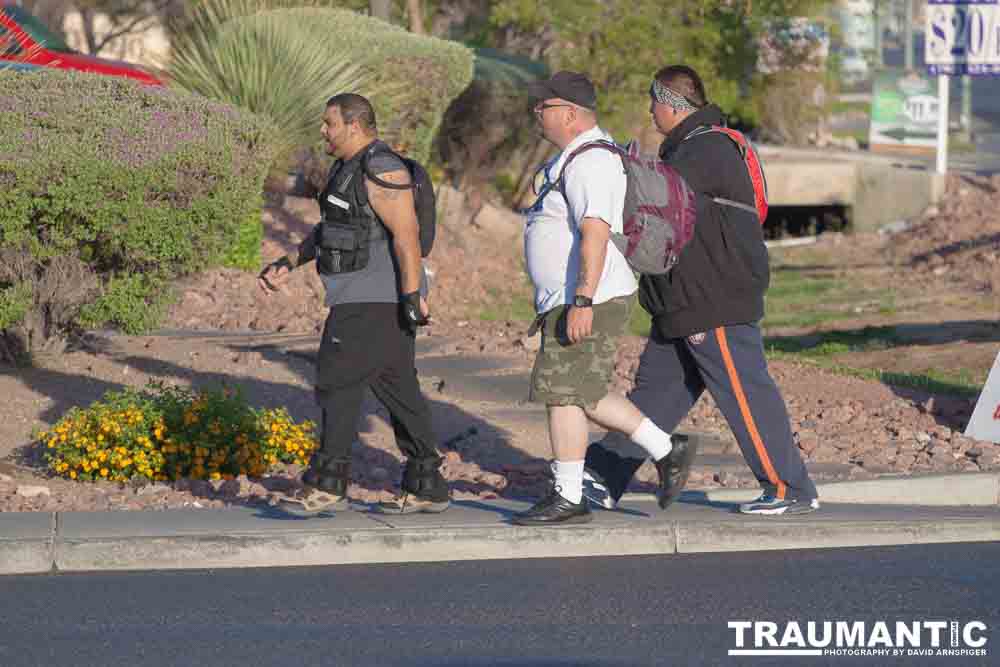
[[580, 301]]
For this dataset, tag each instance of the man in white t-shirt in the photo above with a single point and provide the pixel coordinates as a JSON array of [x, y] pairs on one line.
[[584, 294]]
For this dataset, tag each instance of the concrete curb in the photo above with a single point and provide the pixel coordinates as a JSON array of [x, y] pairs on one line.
[[948, 490], [244, 537], [715, 538], [334, 548]]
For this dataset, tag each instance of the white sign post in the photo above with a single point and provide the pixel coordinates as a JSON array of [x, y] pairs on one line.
[[942, 128], [985, 422], [963, 37]]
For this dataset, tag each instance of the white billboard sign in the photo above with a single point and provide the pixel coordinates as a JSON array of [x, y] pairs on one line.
[[963, 37]]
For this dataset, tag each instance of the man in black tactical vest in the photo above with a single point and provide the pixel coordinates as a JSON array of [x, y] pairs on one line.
[[368, 254]]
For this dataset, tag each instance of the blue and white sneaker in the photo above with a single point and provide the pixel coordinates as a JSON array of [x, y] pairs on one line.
[[596, 491], [606, 475], [769, 504]]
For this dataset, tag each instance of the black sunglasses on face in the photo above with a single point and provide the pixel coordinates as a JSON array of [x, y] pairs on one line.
[[540, 108]]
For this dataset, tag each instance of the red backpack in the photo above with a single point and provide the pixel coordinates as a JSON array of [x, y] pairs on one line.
[[754, 169]]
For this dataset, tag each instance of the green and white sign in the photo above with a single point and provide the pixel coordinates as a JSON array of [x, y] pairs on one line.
[[904, 110]]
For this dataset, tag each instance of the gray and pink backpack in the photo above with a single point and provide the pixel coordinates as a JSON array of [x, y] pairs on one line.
[[659, 214]]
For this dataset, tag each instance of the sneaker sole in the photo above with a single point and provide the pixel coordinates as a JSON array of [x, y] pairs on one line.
[[299, 511], [579, 518], [430, 508], [790, 510]]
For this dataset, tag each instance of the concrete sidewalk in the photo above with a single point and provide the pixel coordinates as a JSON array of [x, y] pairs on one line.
[[470, 530]]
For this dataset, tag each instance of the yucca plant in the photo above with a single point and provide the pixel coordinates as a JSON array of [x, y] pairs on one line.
[[275, 62]]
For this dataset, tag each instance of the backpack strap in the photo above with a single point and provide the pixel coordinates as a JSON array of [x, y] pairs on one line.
[[743, 146], [362, 191], [736, 137], [559, 183], [604, 144], [378, 181], [735, 204]]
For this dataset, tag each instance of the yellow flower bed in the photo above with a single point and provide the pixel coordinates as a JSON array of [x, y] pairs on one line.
[[165, 433]]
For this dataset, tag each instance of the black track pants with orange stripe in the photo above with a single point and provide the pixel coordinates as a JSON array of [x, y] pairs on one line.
[[729, 362]]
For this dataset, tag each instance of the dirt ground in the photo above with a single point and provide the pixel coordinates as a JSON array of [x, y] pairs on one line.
[[495, 444], [942, 277]]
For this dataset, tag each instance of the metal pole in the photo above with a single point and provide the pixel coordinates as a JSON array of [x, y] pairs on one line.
[[878, 36], [942, 129], [908, 33], [966, 117]]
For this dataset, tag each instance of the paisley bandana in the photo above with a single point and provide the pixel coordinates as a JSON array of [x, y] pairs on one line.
[[664, 95]]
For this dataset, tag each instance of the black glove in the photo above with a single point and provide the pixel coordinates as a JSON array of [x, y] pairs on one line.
[[412, 317], [283, 262]]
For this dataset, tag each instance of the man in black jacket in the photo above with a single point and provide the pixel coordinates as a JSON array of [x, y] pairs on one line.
[[706, 311]]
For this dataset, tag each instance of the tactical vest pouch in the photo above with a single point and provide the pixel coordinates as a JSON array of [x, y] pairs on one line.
[[341, 248]]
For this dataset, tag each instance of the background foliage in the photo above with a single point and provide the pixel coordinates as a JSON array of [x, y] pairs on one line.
[[110, 190]]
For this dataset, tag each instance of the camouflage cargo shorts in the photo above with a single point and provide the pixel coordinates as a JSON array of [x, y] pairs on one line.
[[568, 374]]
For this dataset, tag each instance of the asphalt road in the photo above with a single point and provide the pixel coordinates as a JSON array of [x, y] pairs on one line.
[[588, 611]]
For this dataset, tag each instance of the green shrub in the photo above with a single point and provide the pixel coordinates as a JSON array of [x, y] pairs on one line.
[[245, 252], [415, 80], [281, 64], [416, 77], [488, 134], [286, 62], [109, 191], [132, 302], [165, 433]]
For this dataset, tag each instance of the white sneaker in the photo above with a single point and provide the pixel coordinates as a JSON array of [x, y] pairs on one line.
[[770, 505], [597, 492]]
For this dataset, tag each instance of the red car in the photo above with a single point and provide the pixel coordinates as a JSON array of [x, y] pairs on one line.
[[24, 38]]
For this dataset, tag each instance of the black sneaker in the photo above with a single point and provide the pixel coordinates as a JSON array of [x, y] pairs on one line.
[[769, 504], [675, 468], [554, 509], [606, 475]]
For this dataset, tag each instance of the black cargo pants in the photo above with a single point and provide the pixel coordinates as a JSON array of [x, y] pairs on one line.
[[365, 346]]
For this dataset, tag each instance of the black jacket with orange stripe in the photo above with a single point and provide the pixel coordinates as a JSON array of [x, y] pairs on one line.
[[723, 272]]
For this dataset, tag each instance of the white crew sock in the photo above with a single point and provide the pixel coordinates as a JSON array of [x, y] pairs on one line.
[[649, 436], [569, 479]]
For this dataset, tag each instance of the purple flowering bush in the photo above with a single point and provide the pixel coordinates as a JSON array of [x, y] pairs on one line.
[[109, 191]]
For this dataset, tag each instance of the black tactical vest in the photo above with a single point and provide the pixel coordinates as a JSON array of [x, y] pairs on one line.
[[348, 224]]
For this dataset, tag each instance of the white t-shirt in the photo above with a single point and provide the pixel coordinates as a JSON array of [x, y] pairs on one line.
[[594, 186]]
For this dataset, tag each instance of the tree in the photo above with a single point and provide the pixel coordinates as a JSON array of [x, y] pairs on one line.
[[415, 10], [622, 43], [50, 12], [124, 17]]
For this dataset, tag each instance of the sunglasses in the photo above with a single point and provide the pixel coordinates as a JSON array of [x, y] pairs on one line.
[[540, 109]]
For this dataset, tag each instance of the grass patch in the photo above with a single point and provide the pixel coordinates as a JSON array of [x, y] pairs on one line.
[[514, 311], [800, 298], [840, 107], [831, 343], [860, 135], [933, 382], [803, 298], [501, 307], [639, 322]]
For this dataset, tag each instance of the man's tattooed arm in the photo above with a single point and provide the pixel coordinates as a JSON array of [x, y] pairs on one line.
[[395, 209]]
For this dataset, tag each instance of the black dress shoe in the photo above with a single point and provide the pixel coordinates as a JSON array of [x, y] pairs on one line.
[[554, 509], [675, 468]]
